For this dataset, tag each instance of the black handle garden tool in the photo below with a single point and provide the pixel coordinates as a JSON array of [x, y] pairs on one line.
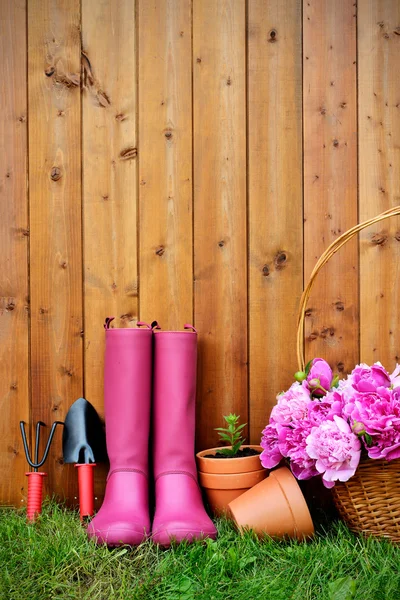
[[84, 443], [35, 478]]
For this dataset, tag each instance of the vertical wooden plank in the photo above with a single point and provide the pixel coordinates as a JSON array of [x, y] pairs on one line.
[[220, 245], [330, 177], [275, 200], [379, 168], [109, 181], [55, 217], [14, 235], [165, 162]]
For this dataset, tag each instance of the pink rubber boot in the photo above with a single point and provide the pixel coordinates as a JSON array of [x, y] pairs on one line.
[[179, 512], [124, 515]]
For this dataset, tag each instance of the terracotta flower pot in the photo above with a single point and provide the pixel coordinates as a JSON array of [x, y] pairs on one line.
[[224, 479], [276, 507]]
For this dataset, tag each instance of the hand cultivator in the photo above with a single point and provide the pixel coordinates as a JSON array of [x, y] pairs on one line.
[[35, 478]]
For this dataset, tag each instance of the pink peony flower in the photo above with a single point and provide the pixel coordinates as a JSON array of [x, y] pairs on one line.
[[271, 455], [377, 414], [319, 378], [367, 379], [292, 445], [325, 409], [336, 450], [292, 405], [395, 377]]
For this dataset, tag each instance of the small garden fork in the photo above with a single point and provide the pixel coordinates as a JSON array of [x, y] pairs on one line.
[[35, 479]]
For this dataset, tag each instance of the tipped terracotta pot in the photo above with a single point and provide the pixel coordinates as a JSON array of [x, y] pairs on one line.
[[275, 507], [224, 479]]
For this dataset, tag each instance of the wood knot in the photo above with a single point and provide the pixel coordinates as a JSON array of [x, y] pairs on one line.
[[265, 270], [327, 331], [312, 337], [308, 312], [127, 317], [339, 305], [50, 71], [120, 117], [198, 60], [280, 260], [128, 153], [14, 386], [10, 305], [221, 243], [273, 36], [322, 110], [397, 236], [229, 81], [335, 143], [160, 250], [379, 239], [168, 134], [55, 174], [340, 366], [343, 105], [64, 264]]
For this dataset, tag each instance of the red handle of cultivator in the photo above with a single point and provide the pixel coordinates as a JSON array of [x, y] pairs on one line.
[[35, 492], [86, 489]]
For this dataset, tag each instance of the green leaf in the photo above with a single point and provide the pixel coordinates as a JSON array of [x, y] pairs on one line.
[[335, 382], [308, 367], [368, 440], [241, 427], [342, 589], [225, 436], [226, 451], [236, 447]]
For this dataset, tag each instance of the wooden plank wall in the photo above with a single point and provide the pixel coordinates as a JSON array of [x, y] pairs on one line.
[[188, 161]]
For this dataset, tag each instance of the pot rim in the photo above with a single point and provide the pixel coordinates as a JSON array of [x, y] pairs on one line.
[[230, 481], [229, 465]]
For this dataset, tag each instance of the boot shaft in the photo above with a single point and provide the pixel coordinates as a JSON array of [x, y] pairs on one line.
[[174, 401], [127, 396]]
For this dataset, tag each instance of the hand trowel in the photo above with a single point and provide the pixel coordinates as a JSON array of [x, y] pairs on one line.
[[84, 444]]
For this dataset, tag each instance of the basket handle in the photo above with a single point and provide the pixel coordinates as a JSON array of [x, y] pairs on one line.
[[325, 256]]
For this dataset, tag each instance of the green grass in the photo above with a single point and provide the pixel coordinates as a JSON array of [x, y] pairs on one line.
[[52, 559]]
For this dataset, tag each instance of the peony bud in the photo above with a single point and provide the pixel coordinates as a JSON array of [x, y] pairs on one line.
[[300, 376]]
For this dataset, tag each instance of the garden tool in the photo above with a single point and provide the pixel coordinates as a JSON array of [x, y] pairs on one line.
[[124, 515], [84, 444], [35, 478], [179, 511]]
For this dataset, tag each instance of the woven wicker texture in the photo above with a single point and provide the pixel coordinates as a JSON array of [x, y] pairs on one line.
[[370, 501]]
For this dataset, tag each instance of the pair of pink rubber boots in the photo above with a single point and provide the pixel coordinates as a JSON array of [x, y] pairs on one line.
[[150, 393]]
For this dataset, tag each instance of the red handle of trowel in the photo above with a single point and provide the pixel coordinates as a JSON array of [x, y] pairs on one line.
[[35, 492], [86, 489]]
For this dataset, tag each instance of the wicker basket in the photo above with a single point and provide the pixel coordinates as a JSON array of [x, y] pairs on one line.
[[370, 501]]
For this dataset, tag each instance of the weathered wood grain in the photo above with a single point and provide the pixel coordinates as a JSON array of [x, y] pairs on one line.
[[220, 241], [275, 200], [330, 177], [165, 162], [109, 163], [379, 177], [55, 220], [14, 236]]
